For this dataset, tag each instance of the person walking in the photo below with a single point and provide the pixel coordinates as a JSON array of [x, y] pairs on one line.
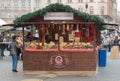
[[106, 42], [13, 50]]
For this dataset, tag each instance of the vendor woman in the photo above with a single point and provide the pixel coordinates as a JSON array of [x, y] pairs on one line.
[[30, 36]]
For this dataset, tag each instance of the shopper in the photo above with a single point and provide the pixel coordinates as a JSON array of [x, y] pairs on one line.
[[116, 41], [106, 42], [13, 50], [2, 46]]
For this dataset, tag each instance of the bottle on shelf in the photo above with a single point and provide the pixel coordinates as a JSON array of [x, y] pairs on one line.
[[71, 33], [77, 33], [56, 32]]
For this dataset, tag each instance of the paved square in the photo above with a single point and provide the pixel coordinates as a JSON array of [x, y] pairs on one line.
[[109, 73]]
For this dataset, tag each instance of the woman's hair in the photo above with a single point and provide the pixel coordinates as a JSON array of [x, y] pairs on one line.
[[29, 33], [116, 37], [14, 37]]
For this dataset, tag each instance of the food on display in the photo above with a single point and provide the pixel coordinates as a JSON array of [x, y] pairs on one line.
[[67, 36]]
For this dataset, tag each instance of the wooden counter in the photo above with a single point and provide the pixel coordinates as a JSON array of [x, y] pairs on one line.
[[73, 62]]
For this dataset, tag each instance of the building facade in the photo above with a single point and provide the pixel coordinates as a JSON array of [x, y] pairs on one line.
[[11, 9]]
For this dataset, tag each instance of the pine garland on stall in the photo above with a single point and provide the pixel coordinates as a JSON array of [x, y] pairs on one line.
[[60, 7]]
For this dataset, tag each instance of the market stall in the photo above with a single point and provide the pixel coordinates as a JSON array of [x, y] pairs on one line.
[[68, 41]]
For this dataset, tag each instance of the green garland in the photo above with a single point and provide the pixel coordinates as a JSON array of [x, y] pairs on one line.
[[60, 7]]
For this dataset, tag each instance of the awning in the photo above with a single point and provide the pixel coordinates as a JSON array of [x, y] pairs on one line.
[[2, 22], [5, 28]]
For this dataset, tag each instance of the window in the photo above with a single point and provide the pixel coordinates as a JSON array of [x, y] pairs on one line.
[[23, 4], [80, 1], [9, 16], [49, 1], [37, 3], [69, 1], [91, 0], [8, 4], [15, 4], [15, 15], [58, 1], [2, 5], [29, 3], [91, 10], [102, 0], [86, 5], [102, 10]]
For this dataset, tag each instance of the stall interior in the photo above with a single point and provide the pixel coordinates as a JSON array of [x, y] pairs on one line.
[[62, 36]]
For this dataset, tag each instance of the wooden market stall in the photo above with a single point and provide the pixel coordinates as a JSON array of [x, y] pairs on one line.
[[68, 41]]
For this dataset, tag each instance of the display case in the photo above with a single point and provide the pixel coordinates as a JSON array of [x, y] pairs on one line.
[[65, 36]]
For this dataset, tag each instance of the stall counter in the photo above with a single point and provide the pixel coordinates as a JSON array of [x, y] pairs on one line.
[[60, 62]]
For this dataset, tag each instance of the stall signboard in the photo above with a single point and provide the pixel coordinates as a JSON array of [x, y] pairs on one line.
[[58, 16]]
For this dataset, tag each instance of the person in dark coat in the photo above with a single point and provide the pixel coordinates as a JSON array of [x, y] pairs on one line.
[[2, 46], [116, 41]]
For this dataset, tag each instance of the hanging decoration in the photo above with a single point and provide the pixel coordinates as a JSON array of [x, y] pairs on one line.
[[60, 7]]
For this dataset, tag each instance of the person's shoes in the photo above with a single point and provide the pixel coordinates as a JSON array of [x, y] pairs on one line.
[[14, 70]]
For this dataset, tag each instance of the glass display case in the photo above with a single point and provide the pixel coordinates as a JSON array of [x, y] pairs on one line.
[[63, 37]]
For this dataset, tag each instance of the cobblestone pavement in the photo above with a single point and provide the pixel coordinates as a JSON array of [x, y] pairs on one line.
[[109, 73]]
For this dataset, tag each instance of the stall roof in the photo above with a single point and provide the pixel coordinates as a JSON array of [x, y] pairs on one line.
[[57, 7]]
